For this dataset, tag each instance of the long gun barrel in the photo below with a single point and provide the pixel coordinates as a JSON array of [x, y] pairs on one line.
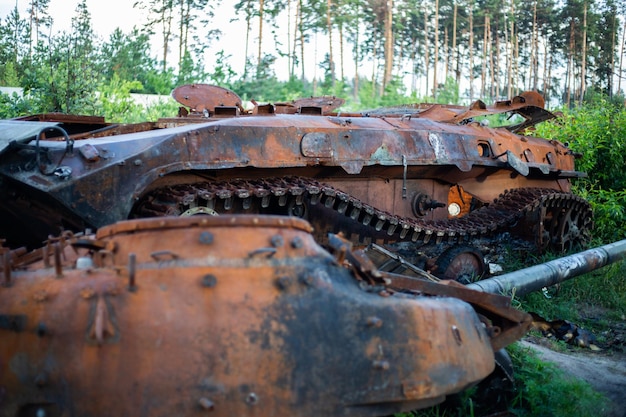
[[534, 278]]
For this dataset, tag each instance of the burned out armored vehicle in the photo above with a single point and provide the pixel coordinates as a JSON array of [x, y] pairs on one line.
[[233, 315], [430, 175], [182, 273]]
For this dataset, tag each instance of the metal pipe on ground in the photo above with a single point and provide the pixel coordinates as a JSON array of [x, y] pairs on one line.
[[553, 272]]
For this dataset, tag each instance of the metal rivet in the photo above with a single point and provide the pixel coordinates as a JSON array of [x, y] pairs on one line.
[[206, 404], [277, 241], [283, 283], [457, 335], [307, 280], [58, 267], [209, 281], [41, 329], [41, 379], [252, 399], [297, 242], [374, 322], [132, 271], [137, 162], [206, 238]]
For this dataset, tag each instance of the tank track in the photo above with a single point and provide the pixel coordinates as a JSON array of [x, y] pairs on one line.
[[555, 220]]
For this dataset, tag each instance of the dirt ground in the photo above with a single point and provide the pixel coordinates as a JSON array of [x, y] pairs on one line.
[[604, 370]]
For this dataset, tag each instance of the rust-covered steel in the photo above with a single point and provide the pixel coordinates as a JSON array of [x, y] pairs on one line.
[[236, 316], [432, 176]]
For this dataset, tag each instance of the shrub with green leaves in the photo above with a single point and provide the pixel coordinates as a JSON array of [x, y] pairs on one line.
[[597, 131]]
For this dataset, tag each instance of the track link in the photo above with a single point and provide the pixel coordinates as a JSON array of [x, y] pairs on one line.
[[554, 220]]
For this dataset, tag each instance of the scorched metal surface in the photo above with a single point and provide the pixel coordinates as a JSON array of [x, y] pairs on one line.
[[236, 315]]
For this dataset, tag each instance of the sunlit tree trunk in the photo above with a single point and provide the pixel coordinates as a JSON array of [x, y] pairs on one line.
[[483, 72], [357, 55], [167, 33], [455, 50], [621, 58], [426, 50], [534, 50], [289, 34], [247, 47], [301, 27], [260, 49], [329, 28], [516, 76], [389, 43], [583, 68], [546, 75], [446, 48], [341, 61], [511, 48], [570, 64], [492, 64], [471, 49], [497, 66], [436, 64]]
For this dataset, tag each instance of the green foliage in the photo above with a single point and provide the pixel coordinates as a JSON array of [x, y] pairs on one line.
[[128, 57], [115, 100], [597, 131], [14, 105], [222, 74], [583, 299], [543, 390], [448, 93], [8, 75]]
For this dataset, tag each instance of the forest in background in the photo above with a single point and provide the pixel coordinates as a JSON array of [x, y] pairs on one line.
[[447, 51]]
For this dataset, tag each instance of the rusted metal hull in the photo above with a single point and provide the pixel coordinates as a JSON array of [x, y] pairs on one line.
[[386, 163], [239, 315]]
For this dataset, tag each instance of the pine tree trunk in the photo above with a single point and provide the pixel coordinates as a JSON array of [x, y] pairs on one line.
[[248, 30], [301, 24], [483, 72], [388, 44], [516, 68], [621, 59], [534, 50], [341, 61], [546, 76], [610, 78], [583, 68], [357, 59], [570, 64], [454, 47], [446, 48], [509, 58], [426, 51], [181, 30], [289, 53], [329, 28], [492, 64], [497, 66], [167, 32], [471, 50], [260, 50], [436, 64]]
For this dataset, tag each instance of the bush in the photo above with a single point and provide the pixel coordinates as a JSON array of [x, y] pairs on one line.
[[597, 131]]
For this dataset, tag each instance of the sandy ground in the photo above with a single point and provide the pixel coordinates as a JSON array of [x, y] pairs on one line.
[[605, 371]]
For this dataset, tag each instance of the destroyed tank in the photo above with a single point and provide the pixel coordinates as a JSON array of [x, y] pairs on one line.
[[432, 176], [233, 315], [224, 301]]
